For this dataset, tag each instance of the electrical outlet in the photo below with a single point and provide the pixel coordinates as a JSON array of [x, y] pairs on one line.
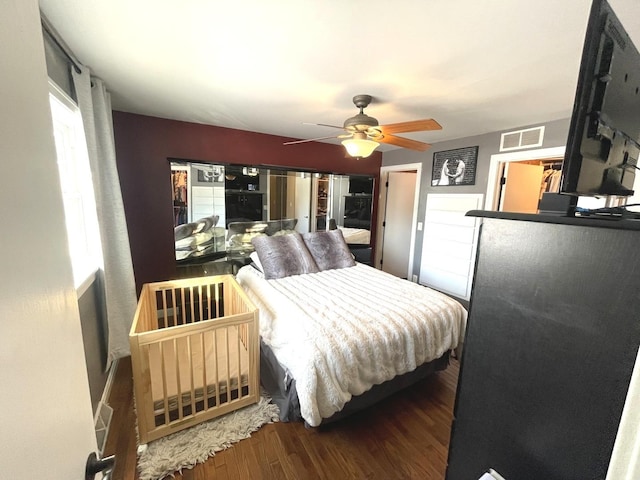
[[414, 278], [419, 226]]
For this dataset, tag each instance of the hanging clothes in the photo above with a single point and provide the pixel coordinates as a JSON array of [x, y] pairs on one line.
[[180, 197]]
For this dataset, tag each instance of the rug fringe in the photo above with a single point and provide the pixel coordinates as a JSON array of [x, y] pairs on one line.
[[185, 449]]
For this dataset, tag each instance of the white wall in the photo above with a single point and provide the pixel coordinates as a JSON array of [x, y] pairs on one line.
[[488, 144], [47, 423]]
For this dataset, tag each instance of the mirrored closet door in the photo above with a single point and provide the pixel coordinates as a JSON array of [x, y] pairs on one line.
[[218, 208]]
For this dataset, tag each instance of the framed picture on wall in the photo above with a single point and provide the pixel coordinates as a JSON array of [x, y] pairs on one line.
[[454, 167]]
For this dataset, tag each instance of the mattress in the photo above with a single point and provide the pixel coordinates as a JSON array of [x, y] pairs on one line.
[[340, 332]]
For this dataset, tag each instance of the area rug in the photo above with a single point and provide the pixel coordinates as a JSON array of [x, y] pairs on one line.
[[187, 448]]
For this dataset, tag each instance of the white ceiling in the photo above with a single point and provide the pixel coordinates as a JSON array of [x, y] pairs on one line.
[[269, 66]]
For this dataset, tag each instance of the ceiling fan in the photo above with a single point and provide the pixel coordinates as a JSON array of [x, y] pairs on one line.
[[364, 133]]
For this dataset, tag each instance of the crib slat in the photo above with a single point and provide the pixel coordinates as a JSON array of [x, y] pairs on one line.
[[222, 301], [215, 356], [218, 313], [209, 301], [164, 307], [204, 373], [142, 376], [226, 343], [178, 380], [191, 374], [176, 316], [192, 302], [200, 301], [164, 384], [239, 362], [184, 306], [253, 347]]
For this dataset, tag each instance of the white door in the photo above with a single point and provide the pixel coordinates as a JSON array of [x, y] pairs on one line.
[[398, 221], [47, 422], [521, 187], [449, 243], [303, 202]]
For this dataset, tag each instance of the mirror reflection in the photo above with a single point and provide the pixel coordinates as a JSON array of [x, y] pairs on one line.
[[217, 209]]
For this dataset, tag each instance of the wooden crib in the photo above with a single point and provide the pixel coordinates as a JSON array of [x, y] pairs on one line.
[[194, 353]]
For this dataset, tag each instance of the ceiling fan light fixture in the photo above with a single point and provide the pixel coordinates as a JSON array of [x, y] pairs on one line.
[[366, 133], [359, 147]]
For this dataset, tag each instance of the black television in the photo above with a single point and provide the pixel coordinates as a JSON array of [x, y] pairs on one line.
[[360, 185], [244, 179], [604, 132]]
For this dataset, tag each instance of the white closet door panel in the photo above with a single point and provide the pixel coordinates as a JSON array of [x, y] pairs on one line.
[[202, 192], [453, 233], [218, 193], [458, 266], [201, 211], [454, 250], [452, 202], [202, 202], [445, 217], [449, 243], [199, 202], [446, 282]]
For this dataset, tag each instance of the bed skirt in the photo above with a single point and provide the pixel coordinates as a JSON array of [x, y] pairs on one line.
[[282, 387]]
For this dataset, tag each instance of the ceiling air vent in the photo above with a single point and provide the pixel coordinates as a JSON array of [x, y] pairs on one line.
[[519, 139]]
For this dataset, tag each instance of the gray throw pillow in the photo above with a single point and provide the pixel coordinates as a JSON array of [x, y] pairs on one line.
[[329, 249], [284, 255], [183, 231]]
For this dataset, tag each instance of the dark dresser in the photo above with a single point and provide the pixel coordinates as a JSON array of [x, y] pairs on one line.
[[551, 342]]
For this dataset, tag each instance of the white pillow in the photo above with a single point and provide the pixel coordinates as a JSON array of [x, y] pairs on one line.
[[186, 243], [254, 258]]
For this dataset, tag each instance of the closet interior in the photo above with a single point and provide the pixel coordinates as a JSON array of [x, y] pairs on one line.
[[524, 183]]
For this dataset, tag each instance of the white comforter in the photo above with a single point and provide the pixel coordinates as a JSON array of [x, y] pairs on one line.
[[356, 235], [339, 332]]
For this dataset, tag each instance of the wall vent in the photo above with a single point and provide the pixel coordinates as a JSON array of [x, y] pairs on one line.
[[519, 139]]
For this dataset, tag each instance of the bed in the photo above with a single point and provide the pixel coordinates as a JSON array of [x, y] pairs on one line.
[[337, 335], [194, 353], [198, 238], [360, 236]]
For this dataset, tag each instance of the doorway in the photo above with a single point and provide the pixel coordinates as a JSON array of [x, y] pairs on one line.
[[397, 219], [302, 202], [523, 183], [502, 161]]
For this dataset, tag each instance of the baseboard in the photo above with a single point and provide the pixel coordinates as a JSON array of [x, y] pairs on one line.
[[102, 424], [104, 413]]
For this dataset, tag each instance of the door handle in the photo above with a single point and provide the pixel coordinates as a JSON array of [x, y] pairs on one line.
[[95, 465]]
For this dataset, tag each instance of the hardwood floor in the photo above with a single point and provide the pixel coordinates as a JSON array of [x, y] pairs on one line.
[[404, 437]]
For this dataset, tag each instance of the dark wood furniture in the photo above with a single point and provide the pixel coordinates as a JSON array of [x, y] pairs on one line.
[[552, 338]]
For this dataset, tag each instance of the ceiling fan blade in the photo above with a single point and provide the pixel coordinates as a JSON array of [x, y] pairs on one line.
[[323, 125], [403, 142], [308, 140], [412, 126]]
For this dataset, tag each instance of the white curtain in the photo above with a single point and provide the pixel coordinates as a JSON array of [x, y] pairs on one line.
[[119, 283]]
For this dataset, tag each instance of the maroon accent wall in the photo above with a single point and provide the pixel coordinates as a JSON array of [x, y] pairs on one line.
[[144, 146]]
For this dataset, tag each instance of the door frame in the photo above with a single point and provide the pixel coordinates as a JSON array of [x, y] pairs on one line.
[[493, 178], [302, 181], [382, 210]]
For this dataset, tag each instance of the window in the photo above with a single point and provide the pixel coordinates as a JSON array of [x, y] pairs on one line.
[[77, 187]]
